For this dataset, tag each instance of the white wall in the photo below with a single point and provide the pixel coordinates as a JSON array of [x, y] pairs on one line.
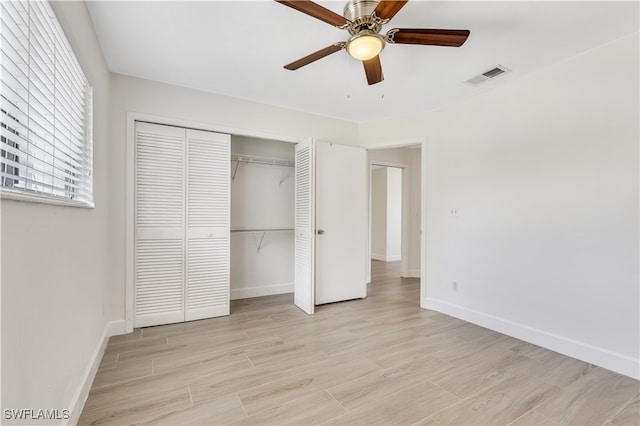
[[543, 171], [56, 264], [262, 196], [379, 213], [231, 115], [394, 213]]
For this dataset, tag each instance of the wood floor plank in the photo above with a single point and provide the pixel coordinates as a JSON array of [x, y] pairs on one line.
[[196, 359], [137, 409], [334, 343], [321, 376], [109, 360], [123, 346], [148, 385], [406, 407], [314, 408], [500, 404], [123, 372], [533, 418], [593, 399], [204, 354], [375, 386], [235, 380], [428, 421], [535, 352], [286, 354], [152, 351], [480, 372], [411, 348], [220, 411], [458, 351], [552, 367], [629, 415]]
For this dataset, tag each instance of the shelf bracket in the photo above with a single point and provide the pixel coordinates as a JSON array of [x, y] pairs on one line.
[[285, 175], [235, 170], [261, 240]]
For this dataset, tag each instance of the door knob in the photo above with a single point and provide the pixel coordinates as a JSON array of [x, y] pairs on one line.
[[320, 231]]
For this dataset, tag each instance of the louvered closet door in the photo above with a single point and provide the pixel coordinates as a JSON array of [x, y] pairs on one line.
[[159, 225], [304, 290], [208, 221]]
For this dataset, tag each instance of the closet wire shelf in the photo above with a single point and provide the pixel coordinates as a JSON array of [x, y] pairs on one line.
[[240, 158], [262, 231]]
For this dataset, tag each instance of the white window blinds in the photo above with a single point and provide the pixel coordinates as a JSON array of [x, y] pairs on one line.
[[46, 109]]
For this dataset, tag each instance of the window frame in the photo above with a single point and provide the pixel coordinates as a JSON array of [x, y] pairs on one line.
[[49, 185]]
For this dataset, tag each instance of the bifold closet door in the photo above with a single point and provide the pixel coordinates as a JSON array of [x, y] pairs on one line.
[[159, 224], [181, 260], [304, 277], [208, 225]]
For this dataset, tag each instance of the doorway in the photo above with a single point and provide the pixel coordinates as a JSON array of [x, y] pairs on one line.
[[386, 219], [395, 213]]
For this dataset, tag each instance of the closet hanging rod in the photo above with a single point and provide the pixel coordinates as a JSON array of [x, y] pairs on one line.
[[261, 229], [240, 158]]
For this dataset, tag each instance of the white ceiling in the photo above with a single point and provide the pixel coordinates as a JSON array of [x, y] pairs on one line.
[[238, 48]]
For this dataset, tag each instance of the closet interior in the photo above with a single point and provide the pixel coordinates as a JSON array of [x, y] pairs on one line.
[[262, 217]]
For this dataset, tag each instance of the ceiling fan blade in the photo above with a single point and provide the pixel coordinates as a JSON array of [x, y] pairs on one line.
[[453, 38], [317, 11], [387, 9], [315, 56], [373, 69]]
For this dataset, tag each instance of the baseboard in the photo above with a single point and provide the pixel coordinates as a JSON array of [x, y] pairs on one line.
[[412, 273], [267, 290], [112, 328], [117, 328], [613, 361], [376, 256], [385, 258]]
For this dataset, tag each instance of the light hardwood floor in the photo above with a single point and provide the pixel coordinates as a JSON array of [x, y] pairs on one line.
[[381, 360]]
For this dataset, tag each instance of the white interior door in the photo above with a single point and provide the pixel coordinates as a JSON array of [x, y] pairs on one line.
[[341, 203], [159, 225], [303, 292], [208, 216]]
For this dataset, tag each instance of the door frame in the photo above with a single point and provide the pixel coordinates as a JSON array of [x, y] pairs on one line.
[[423, 203], [131, 118]]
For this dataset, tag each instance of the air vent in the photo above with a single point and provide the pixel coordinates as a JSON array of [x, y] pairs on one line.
[[488, 75]]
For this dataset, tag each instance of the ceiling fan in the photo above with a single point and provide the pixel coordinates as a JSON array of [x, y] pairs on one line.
[[364, 20]]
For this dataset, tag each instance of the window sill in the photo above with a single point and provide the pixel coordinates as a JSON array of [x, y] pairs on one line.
[[34, 198]]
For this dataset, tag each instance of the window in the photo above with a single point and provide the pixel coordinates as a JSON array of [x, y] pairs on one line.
[[45, 110]]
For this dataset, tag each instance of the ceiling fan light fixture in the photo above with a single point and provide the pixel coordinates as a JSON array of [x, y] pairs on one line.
[[365, 45]]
